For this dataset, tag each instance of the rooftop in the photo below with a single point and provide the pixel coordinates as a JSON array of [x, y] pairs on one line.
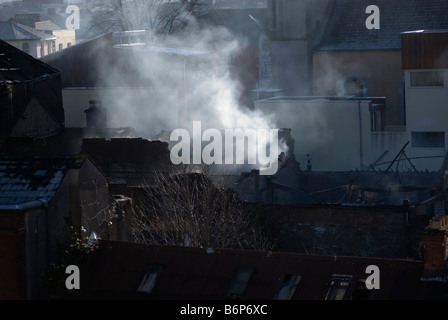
[[209, 273], [46, 25], [32, 181], [12, 31], [16, 65], [177, 51], [346, 29]]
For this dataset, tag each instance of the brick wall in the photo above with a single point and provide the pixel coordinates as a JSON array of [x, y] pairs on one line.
[[435, 251], [351, 231], [435, 242], [12, 256]]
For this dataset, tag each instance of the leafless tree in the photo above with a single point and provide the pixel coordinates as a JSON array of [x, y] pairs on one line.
[[159, 17], [190, 209]]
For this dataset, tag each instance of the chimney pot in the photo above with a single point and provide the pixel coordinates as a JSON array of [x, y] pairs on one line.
[[96, 115]]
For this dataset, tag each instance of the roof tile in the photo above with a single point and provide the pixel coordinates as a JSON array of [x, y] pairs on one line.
[[346, 29], [19, 184]]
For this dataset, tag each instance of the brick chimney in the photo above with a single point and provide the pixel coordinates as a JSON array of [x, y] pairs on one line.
[[96, 115], [435, 240]]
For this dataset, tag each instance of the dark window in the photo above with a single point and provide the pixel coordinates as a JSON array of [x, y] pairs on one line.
[[240, 281], [338, 287], [427, 79], [288, 287], [428, 139], [60, 47], [150, 278], [361, 292]]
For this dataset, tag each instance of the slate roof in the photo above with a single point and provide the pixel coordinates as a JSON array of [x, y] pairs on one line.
[[46, 25], [12, 31], [346, 30], [16, 65], [28, 181]]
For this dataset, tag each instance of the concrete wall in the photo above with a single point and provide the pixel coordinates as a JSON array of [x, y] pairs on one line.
[[285, 50], [292, 19], [426, 106], [65, 37], [291, 69], [334, 133], [34, 47], [425, 112]]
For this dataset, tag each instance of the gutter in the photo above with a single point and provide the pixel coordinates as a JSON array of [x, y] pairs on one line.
[[25, 206]]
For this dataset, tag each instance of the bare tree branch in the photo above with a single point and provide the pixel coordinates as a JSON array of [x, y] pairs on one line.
[[158, 17], [189, 209]]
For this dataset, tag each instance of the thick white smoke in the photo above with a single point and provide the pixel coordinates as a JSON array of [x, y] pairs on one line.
[[188, 80]]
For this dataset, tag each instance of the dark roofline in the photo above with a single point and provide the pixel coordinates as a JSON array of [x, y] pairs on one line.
[[13, 54], [76, 46], [426, 31], [339, 50], [38, 33], [111, 244], [208, 273], [25, 206]]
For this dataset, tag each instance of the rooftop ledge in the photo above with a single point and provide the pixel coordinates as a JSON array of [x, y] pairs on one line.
[[319, 98], [425, 31]]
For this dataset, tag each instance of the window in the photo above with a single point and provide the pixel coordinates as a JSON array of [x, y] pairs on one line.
[[240, 280], [60, 47], [69, 45], [361, 292], [150, 278], [427, 79], [288, 287], [428, 139], [26, 48], [338, 287]]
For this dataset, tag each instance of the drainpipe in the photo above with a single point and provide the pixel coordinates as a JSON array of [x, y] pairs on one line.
[[360, 135]]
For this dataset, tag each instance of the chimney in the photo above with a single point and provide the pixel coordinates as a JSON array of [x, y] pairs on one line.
[[285, 137], [435, 241], [96, 115]]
